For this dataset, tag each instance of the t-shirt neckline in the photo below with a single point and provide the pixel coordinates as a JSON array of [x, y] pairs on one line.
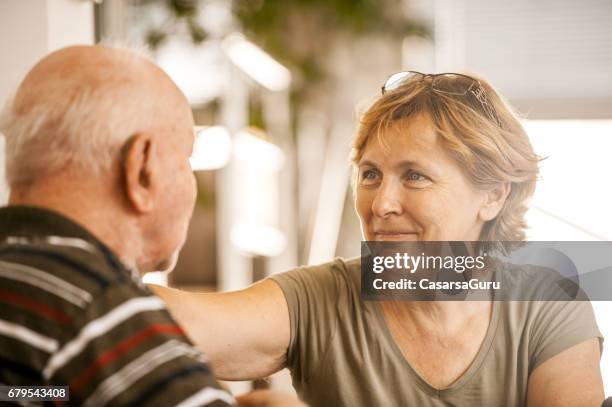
[[465, 377]]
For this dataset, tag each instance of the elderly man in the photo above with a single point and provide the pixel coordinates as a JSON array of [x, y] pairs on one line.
[[98, 143]]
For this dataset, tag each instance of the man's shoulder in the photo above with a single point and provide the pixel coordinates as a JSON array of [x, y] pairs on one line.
[[60, 332], [52, 288], [56, 284], [38, 240]]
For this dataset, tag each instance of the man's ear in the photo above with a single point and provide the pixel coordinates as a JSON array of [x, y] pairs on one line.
[[138, 162], [494, 201]]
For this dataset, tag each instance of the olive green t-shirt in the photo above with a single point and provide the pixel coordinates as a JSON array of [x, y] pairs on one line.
[[341, 351]]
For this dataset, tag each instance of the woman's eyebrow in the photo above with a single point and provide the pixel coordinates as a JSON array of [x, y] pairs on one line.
[[401, 164], [430, 168], [410, 163], [366, 163]]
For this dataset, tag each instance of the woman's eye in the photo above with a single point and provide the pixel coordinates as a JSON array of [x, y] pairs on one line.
[[414, 176], [369, 175]]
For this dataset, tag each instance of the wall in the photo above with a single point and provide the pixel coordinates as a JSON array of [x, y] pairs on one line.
[[28, 31]]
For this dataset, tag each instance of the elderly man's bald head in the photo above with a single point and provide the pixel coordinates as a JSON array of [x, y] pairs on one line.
[[104, 137], [77, 107]]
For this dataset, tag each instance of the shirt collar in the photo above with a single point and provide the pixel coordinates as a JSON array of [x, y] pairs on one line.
[[20, 221]]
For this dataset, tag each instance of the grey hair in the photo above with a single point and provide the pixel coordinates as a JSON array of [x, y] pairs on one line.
[[73, 124]]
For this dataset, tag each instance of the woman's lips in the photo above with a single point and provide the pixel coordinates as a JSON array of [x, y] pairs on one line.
[[395, 236]]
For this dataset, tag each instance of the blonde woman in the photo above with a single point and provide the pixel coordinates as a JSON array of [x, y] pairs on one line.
[[436, 158]]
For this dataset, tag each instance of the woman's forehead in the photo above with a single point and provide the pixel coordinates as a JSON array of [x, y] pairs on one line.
[[411, 136]]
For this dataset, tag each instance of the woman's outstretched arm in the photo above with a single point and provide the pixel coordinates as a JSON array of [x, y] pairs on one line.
[[245, 333]]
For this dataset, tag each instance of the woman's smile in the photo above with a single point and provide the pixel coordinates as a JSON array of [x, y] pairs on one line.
[[394, 235]]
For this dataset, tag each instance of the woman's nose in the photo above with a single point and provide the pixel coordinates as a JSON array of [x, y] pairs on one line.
[[388, 200]]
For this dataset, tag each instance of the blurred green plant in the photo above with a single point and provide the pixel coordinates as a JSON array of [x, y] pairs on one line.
[[179, 12], [297, 32]]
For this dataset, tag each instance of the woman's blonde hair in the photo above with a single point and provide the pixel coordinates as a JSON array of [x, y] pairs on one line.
[[481, 132]]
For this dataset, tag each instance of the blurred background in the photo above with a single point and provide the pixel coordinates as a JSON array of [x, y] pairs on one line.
[[277, 86]]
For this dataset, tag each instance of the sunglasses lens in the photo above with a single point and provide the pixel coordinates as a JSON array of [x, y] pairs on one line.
[[398, 79], [453, 84]]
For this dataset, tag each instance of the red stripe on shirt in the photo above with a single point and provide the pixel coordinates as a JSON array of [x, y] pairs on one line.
[[37, 307], [119, 350]]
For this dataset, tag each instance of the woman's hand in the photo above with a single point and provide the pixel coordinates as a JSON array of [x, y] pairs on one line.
[[268, 398]]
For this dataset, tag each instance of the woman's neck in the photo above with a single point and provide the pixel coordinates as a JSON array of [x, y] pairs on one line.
[[442, 316]]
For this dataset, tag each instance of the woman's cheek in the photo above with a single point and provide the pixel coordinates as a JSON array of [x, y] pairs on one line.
[[427, 215], [363, 203]]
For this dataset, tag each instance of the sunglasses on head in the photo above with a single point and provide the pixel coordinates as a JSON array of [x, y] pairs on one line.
[[454, 84]]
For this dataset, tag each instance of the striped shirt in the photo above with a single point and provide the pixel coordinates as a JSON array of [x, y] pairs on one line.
[[72, 314]]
